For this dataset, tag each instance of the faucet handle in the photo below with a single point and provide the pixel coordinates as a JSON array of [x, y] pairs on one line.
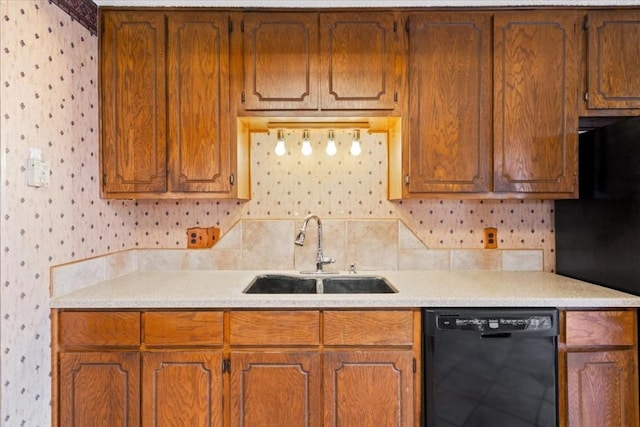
[[352, 268], [327, 260]]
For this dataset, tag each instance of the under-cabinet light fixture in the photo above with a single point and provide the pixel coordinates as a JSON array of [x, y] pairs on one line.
[[331, 145], [281, 149], [306, 144], [356, 149]]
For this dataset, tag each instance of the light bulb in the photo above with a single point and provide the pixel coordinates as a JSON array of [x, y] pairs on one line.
[[355, 145], [306, 145], [280, 150], [331, 145], [355, 148]]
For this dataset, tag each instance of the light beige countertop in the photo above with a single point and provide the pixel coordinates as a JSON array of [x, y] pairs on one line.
[[224, 289]]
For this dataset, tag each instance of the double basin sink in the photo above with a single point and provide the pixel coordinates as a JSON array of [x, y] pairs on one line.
[[293, 284]]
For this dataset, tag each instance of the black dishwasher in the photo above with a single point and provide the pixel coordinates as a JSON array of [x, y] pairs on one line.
[[490, 367]]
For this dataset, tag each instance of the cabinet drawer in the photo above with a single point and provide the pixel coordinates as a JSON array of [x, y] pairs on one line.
[[103, 328], [168, 328], [368, 327], [600, 328], [274, 328]]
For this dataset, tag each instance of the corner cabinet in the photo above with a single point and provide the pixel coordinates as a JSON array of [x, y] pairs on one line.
[[320, 61], [166, 124], [236, 367], [598, 369], [486, 117], [612, 63]]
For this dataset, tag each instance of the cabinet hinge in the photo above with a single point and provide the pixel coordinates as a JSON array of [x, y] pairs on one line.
[[242, 97], [232, 179], [226, 365], [242, 26], [585, 25], [406, 179], [395, 26], [415, 365], [406, 26], [230, 26], [395, 97]]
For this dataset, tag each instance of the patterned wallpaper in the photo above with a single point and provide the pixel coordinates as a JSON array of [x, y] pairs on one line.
[[48, 100]]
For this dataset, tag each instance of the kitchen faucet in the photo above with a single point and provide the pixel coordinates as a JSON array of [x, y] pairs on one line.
[[320, 259]]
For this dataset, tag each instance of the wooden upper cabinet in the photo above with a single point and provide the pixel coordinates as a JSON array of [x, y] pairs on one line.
[[320, 61], [133, 108], [166, 123], [280, 61], [449, 141], [536, 57], [357, 61], [198, 90], [613, 60]]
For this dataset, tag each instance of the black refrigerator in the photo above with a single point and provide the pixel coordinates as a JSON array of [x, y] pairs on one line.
[[598, 235]]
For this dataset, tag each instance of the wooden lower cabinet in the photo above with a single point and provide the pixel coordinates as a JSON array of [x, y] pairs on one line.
[[182, 388], [101, 386], [601, 389], [276, 388], [308, 368], [598, 369], [368, 388]]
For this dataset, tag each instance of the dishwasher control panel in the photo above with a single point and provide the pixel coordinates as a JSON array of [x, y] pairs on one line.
[[496, 323]]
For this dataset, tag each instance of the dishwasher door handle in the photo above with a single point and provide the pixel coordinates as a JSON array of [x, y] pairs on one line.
[[496, 335]]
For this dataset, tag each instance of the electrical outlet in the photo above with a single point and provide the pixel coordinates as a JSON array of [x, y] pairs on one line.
[[490, 238], [198, 237]]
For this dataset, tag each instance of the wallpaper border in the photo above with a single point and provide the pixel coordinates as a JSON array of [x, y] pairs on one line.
[[83, 11]]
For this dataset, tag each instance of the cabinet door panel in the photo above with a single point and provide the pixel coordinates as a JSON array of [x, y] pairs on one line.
[[368, 388], [614, 59], [281, 389], [358, 61], [536, 91], [281, 61], [450, 103], [602, 389], [198, 89], [133, 102], [182, 388], [99, 386]]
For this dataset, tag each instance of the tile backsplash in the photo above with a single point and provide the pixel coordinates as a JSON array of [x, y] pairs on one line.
[[49, 100]]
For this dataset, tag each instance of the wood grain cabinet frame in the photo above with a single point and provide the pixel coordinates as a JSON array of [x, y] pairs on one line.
[[310, 61], [611, 63], [493, 105], [598, 368], [166, 127], [236, 367]]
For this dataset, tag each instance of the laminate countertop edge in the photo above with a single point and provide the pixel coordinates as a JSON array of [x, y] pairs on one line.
[[177, 289]]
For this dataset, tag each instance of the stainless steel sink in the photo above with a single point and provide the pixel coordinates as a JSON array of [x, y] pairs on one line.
[[281, 284], [292, 284], [357, 285]]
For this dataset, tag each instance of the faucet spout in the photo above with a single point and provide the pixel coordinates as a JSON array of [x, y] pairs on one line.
[[320, 258]]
